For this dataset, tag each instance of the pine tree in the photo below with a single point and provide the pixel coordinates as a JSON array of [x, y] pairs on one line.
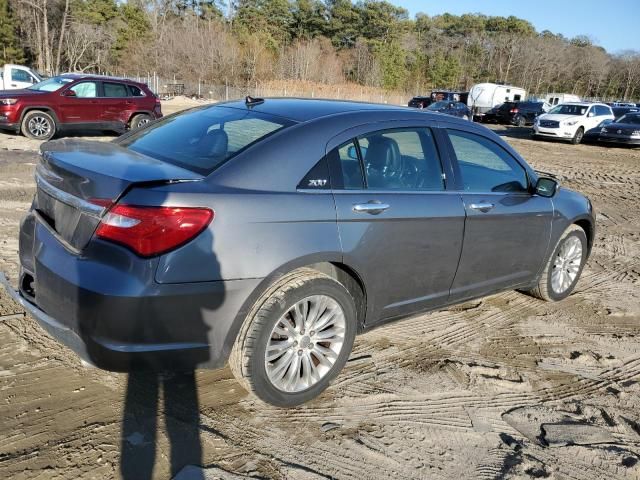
[[10, 50]]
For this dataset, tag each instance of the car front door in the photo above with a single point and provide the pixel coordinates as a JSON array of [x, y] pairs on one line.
[[21, 78], [400, 229], [78, 105], [507, 228]]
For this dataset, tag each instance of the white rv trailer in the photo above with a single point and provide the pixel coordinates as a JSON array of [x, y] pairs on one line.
[[484, 96], [554, 99]]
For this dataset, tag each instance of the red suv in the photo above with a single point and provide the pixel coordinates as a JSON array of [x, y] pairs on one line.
[[73, 101]]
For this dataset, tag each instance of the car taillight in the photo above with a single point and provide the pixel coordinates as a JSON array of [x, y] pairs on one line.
[[150, 231], [514, 110]]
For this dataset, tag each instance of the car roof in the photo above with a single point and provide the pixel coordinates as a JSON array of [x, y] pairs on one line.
[[86, 76], [584, 104], [306, 109]]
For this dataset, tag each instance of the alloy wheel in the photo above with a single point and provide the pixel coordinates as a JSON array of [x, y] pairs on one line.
[[305, 343], [566, 265], [39, 126]]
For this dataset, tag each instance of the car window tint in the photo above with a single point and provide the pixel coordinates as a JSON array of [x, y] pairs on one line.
[[204, 138], [85, 90], [115, 90], [485, 166], [405, 159], [350, 168]]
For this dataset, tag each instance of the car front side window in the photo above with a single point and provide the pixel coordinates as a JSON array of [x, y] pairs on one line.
[[85, 90], [485, 166]]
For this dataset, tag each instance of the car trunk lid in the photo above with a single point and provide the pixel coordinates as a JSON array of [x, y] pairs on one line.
[[77, 181]]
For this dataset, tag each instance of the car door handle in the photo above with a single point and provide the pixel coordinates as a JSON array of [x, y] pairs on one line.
[[372, 208], [482, 206]]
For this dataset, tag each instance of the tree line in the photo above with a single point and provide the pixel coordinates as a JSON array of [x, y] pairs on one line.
[[370, 42]]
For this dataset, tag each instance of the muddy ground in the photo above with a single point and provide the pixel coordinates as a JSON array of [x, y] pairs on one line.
[[503, 387]]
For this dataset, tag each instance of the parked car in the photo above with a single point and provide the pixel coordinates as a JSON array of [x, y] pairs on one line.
[[72, 101], [490, 116], [625, 129], [14, 77], [267, 233], [485, 96], [520, 113], [420, 102], [620, 111], [437, 96], [570, 121], [457, 109], [623, 104]]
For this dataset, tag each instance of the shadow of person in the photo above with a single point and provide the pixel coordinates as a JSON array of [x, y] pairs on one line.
[[139, 425], [164, 385]]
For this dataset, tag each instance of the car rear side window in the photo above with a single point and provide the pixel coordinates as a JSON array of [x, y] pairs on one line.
[[136, 92], [485, 166], [202, 139], [349, 166], [403, 159], [115, 90]]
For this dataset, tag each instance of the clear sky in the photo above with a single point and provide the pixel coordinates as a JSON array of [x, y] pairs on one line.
[[613, 24]]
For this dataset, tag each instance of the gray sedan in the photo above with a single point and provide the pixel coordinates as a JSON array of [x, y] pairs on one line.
[[267, 233]]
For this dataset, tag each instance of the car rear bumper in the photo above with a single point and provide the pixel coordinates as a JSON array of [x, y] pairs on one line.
[[115, 316]]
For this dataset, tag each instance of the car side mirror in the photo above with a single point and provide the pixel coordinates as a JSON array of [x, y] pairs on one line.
[[591, 114], [352, 153], [69, 93], [547, 187]]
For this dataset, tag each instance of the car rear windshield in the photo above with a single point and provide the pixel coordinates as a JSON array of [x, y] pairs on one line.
[[202, 139]]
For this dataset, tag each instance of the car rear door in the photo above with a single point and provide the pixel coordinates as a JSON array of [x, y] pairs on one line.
[[400, 229], [117, 104], [507, 227]]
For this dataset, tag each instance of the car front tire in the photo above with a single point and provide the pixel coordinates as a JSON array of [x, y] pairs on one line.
[[296, 339], [38, 125], [564, 267], [579, 135]]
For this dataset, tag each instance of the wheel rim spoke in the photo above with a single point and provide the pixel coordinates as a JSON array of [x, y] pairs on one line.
[[566, 265], [305, 343]]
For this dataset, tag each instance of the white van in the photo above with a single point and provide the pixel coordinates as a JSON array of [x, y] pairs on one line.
[[484, 96], [554, 99], [14, 77]]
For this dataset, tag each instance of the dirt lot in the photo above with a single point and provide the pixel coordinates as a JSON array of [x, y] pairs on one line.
[[503, 387]]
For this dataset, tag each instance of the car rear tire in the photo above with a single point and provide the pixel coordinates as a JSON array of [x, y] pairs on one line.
[[140, 120], [563, 269], [38, 125], [296, 339], [521, 122], [579, 135]]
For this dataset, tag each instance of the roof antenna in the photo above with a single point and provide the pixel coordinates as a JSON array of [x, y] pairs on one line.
[[251, 101]]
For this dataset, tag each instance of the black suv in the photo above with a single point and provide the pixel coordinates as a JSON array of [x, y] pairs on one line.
[[519, 113]]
